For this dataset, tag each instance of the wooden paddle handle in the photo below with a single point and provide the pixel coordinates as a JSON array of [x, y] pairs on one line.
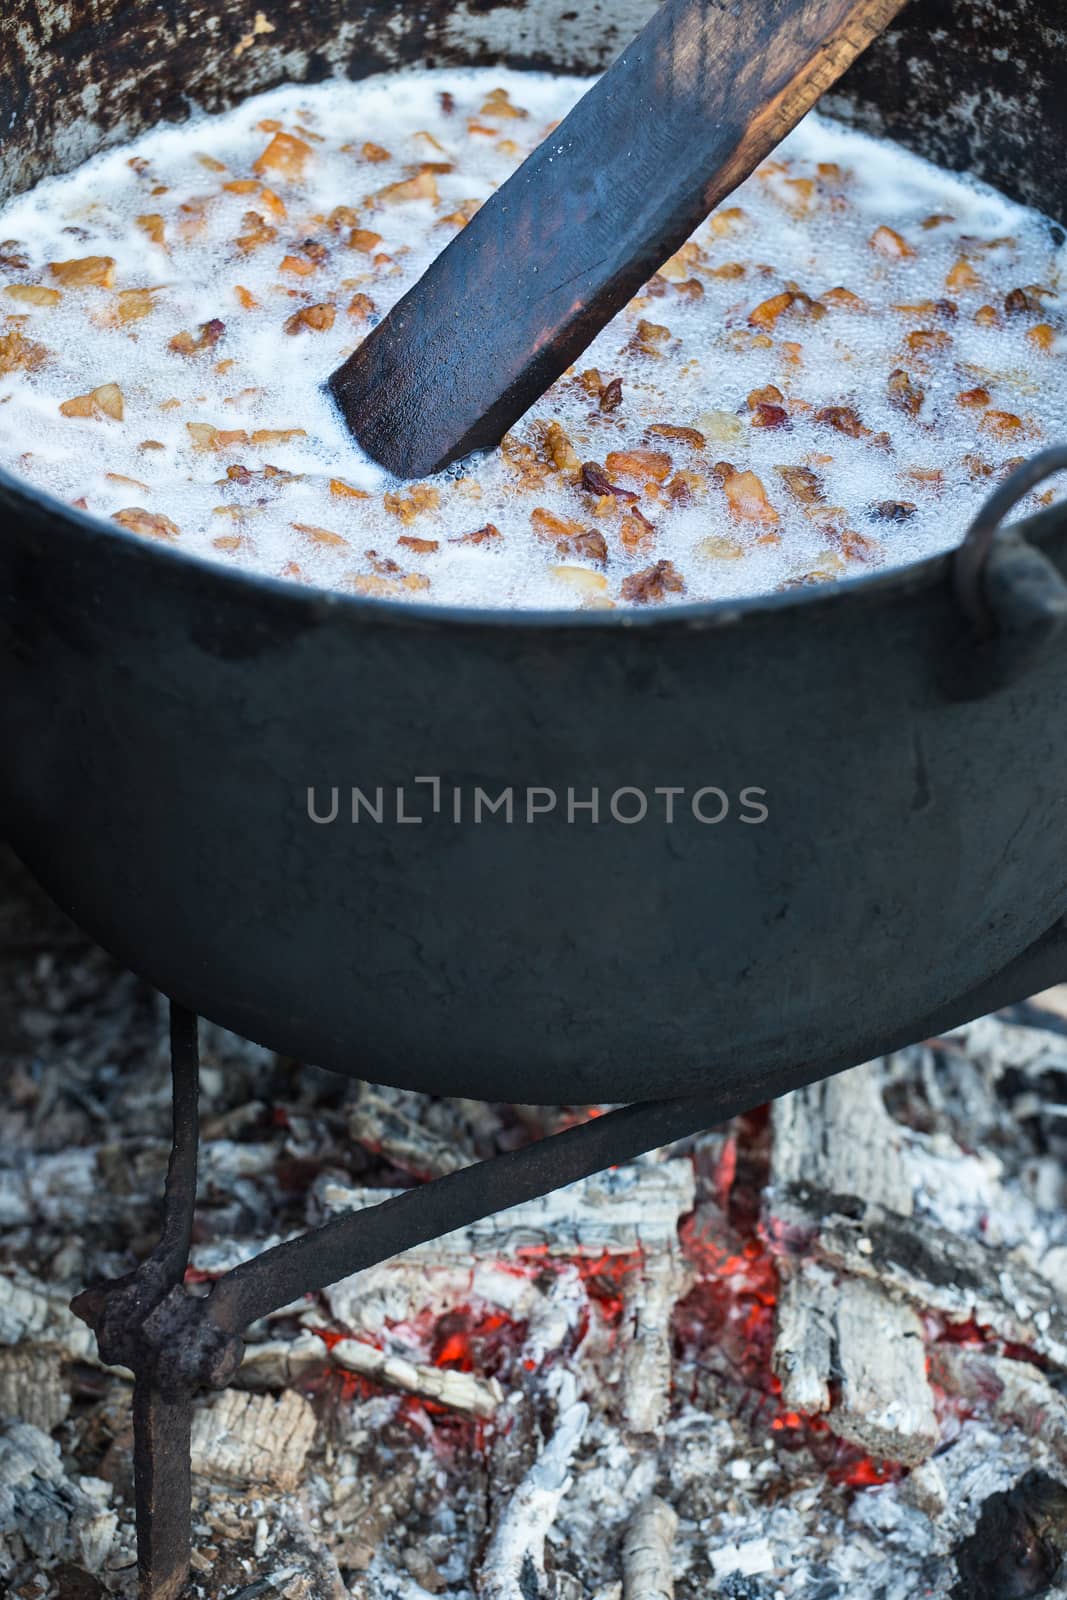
[[683, 117]]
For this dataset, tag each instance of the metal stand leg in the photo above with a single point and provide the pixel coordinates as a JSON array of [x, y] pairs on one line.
[[163, 1483], [162, 1424], [132, 1318]]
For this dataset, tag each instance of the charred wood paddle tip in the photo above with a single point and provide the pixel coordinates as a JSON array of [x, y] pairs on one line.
[[684, 115]]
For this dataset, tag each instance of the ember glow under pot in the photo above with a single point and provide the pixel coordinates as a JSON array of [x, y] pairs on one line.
[[162, 720]]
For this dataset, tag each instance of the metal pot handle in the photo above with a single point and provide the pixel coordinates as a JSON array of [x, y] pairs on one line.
[[978, 550]]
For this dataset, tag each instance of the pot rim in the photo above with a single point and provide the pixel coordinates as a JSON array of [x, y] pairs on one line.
[[884, 584]]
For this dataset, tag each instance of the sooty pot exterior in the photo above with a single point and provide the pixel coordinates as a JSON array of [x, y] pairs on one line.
[[163, 721]]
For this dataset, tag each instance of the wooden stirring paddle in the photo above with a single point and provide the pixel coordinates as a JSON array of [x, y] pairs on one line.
[[683, 117]]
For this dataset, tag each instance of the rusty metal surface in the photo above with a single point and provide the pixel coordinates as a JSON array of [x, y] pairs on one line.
[[975, 85], [163, 1488], [971, 83], [92, 72], [121, 1312], [139, 1322]]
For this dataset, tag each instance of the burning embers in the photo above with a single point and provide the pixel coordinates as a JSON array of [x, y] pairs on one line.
[[795, 1358], [733, 1318]]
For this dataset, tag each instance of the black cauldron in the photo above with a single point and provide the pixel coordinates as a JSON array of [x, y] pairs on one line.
[[162, 720]]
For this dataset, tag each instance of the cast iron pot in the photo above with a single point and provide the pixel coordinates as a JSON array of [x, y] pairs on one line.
[[162, 719]]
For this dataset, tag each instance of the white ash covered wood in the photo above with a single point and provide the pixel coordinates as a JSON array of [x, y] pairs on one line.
[[651, 1294], [836, 1147], [33, 1385], [243, 1438], [514, 1561], [872, 1348], [459, 1391], [944, 1272], [31, 1311], [630, 1212], [43, 1512], [632, 1208], [627, 1208], [886, 1404], [804, 1342], [1014, 1391], [998, 1045], [281, 1363], [836, 1139], [861, 1263], [413, 1133], [647, 1553]]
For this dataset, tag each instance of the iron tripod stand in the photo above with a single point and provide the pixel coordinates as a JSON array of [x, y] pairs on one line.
[[177, 1345]]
